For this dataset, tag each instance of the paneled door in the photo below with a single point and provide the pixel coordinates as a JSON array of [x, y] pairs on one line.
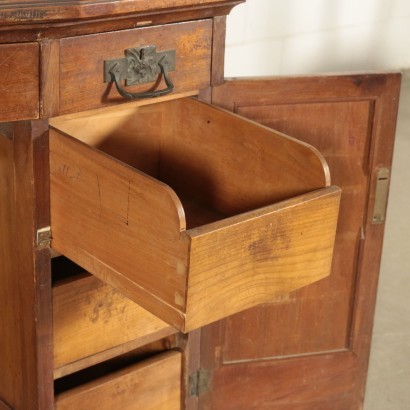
[[310, 349]]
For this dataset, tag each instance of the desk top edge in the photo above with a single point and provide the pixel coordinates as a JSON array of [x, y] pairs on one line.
[[19, 12]]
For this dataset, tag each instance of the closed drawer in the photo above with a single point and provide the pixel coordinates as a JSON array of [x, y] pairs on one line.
[[191, 211], [82, 59], [154, 384], [93, 322], [19, 96]]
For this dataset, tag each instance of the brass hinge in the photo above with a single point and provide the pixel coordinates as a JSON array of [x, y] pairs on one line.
[[44, 237], [380, 199], [199, 382]]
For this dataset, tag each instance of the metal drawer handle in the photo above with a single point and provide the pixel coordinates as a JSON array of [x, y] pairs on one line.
[[141, 65]]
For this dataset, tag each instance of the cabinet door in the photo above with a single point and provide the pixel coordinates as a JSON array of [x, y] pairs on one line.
[[310, 349]]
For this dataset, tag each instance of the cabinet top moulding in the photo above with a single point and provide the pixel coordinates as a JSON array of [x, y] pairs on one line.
[[17, 12]]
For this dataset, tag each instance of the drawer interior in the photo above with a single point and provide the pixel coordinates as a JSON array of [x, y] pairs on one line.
[[183, 207], [218, 164]]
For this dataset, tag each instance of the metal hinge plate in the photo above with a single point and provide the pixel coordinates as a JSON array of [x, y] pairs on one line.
[[199, 382], [44, 237], [380, 199]]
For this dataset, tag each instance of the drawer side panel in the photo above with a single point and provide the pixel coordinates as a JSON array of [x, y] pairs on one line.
[[119, 224]]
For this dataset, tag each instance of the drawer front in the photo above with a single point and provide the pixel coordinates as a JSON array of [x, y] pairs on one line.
[[82, 62], [208, 215], [93, 321], [19, 96], [154, 384]]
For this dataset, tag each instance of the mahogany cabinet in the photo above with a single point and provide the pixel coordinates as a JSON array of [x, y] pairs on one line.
[[172, 239]]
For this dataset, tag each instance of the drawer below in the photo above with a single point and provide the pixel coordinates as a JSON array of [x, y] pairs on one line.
[[154, 384], [93, 322]]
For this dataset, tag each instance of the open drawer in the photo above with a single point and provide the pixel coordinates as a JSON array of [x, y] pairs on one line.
[[191, 211]]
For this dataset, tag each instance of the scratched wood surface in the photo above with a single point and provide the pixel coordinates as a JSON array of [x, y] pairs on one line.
[[92, 321], [154, 384], [126, 210]]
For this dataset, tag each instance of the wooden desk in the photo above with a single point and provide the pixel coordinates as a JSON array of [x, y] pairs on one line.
[[236, 255]]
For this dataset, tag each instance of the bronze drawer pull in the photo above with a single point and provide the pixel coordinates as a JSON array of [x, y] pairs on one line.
[[141, 65]]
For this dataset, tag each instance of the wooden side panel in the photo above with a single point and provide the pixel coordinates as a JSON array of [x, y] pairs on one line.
[[154, 384], [91, 319], [351, 119], [25, 289], [119, 224], [271, 252], [82, 62], [19, 89]]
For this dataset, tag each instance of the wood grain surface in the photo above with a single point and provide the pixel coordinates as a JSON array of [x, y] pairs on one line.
[[248, 260], [19, 89], [154, 384]]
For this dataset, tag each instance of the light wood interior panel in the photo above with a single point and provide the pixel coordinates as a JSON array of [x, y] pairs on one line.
[[218, 164]]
